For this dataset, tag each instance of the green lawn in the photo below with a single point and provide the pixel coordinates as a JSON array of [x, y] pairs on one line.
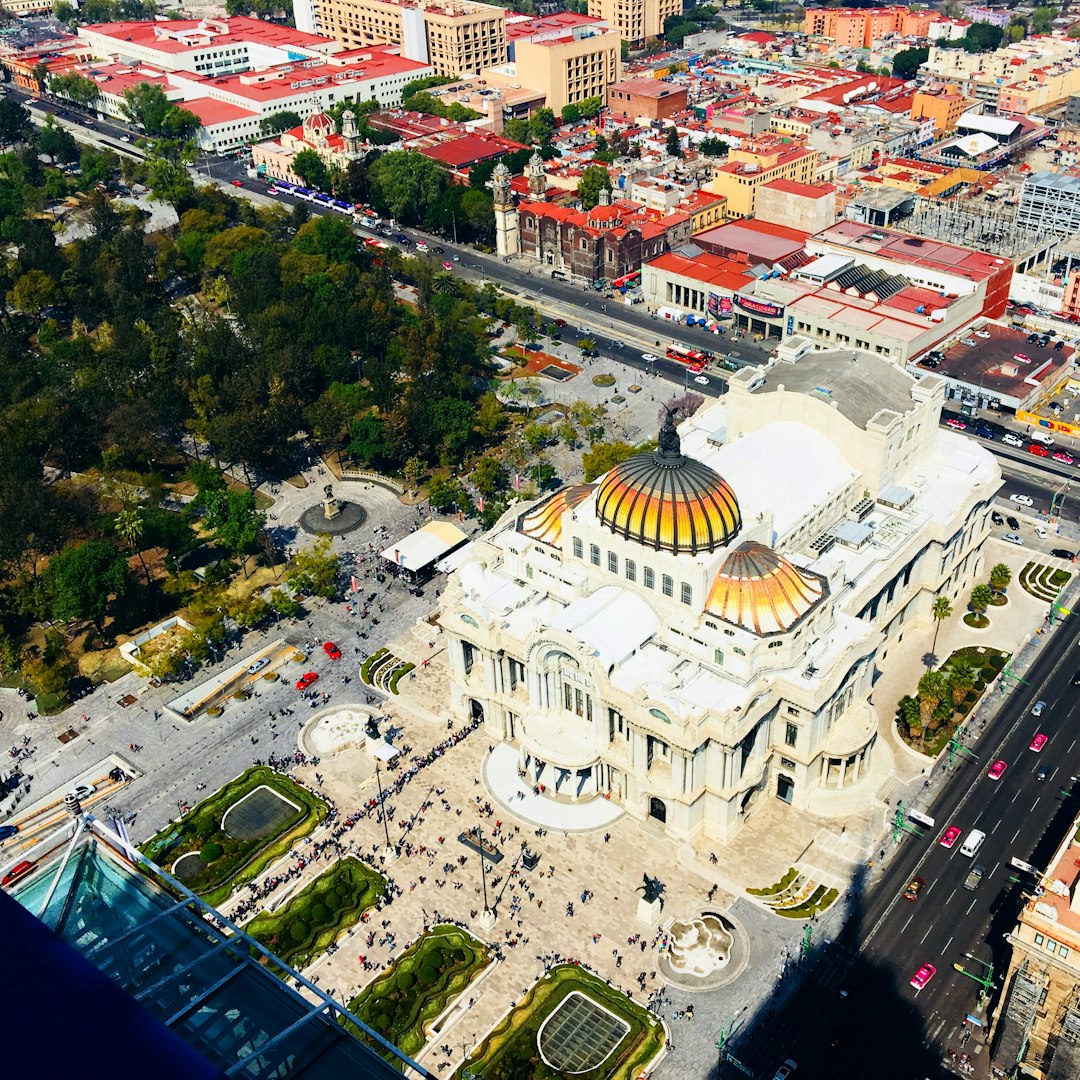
[[231, 862], [421, 982], [301, 929], [510, 1052]]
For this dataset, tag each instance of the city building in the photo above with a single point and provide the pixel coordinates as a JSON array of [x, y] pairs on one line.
[[1050, 202], [54, 55], [806, 207], [274, 157], [860, 28], [942, 104], [692, 281], [635, 20], [756, 243], [1036, 1026], [923, 177], [695, 634], [454, 36], [646, 99], [568, 63], [205, 47], [758, 162]]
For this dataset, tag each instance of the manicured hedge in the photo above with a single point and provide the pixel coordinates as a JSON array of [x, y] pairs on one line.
[[510, 1051], [418, 986], [240, 860], [300, 931]]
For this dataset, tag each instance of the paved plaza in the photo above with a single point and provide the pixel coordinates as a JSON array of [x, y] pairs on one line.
[[581, 902]]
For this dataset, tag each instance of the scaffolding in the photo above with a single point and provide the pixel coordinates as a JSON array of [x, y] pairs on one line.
[[991, 229]]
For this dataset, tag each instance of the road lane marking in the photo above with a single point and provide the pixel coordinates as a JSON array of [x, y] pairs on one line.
[[947, 944], [1071, 745], [903, 928], [970, 906], [1015, 835], [948, 899], [1036, 802], [922, 940]]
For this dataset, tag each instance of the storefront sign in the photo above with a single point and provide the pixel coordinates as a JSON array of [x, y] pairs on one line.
[[759, 307]]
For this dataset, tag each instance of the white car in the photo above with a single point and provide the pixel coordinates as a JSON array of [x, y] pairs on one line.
[[700, 379], [1022, 500], [650, 358], [1012, 440], [786, 1070], [421, 246], [982, 333], [259, 664], [969, 341], [1040, 532], [1013, 538], [82, 791]]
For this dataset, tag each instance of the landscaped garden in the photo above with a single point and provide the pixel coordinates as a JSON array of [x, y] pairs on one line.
[[944, 697], [384, 670], [570, 1022], [795, 896], [233, 835], [418, 986], [300, 931], [1043, 582]]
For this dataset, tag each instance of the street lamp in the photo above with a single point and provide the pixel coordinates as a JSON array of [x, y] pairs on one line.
[[483, 869], [391, 851]]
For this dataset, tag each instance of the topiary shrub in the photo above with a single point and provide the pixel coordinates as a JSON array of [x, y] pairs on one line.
[[319, 913], [211, 852], [406, 980], [299, 931]]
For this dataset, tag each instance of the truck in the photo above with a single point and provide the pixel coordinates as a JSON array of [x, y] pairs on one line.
[[975, 875]]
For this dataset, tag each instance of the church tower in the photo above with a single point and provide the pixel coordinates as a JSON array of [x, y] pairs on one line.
[[350, 133], [537, 177], [507, 232]]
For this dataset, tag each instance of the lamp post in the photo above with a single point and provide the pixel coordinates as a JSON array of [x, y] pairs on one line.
[[391, 851], [487, 918]]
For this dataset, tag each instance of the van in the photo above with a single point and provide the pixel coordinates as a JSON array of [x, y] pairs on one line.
[[1042, 437], [973, 842]]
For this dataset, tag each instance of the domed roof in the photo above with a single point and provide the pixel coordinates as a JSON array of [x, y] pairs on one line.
[[759, 590], [544, 522], [666, 501], [318, 121]]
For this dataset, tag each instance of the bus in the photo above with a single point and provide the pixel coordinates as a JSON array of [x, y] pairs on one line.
[[692, 358]]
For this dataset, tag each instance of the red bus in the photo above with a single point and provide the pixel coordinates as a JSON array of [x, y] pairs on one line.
[[692, 358]]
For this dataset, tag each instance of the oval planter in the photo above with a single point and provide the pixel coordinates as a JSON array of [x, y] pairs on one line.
[[970, 622]]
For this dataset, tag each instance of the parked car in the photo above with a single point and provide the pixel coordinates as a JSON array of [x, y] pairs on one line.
[[306, 680], [996, 518], [82, 791], [1038, 450], [930, 362], [1010, 439], [955, 422], [1062, 553], [969, 341], [1013, 538], [259, 664], [1022, 500], [1013, 523], [331, 650]]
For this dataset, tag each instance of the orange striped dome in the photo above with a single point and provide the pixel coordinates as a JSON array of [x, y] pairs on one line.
[[666, 501], [544, 522], [759, 590]]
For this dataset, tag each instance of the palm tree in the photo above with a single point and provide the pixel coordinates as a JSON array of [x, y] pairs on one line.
[[129, 525], [981, 596], [961, 676], [940, 610], [1000, 576], [933, 687]]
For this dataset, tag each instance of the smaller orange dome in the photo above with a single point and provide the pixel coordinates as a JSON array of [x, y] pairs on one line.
[[759, 590]]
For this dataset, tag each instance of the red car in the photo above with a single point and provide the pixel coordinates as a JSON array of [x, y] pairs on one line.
[[1038, 451], [923, 976], [995, 770], [950, 836], [237, 183], [306, 680], [331, 650], [1038, 743], [19, 870]]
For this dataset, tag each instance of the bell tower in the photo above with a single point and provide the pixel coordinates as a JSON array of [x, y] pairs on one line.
[[350, 133], [507, 231], [537, 177]]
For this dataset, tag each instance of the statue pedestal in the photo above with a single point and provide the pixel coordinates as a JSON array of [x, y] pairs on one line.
[[649, 911], [486, 919], [330, 508]]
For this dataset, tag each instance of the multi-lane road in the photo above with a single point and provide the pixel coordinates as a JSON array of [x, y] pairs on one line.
[[857, 1015]]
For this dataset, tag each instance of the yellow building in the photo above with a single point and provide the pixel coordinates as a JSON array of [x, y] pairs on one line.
[[944, 105], [925, 178], [758, 162], [635, 20], [579, 64], [454, 36], [1037, 1022]]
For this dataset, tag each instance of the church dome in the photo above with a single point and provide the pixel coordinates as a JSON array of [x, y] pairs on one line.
[[318, 122], [759, 590], [666, 501]]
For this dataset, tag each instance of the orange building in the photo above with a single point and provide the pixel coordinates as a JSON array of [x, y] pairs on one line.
[[859, 28], [944, 106]]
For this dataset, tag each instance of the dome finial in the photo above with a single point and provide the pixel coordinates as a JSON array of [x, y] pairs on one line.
[[668, 443]]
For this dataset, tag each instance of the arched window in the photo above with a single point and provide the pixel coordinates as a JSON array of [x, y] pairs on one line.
[[657, 809]]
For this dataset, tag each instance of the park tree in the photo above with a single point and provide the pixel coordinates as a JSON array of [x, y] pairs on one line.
[[940, 610], [146, 106], [404, 182], [542, 125], [77, 88], [15, 123], [908, 717], [311, 169], [314, 569], [57, 142], [672, 142], [80, 581], [1000, 576], [489, 476], [233, 519], [906, 62], [571, 113], [982, 37], [276, 123], [713, 147], [447, 493], [1042, 19], [602, 456], [981, 598], [594, 179], [282, 604], [33, 291]]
